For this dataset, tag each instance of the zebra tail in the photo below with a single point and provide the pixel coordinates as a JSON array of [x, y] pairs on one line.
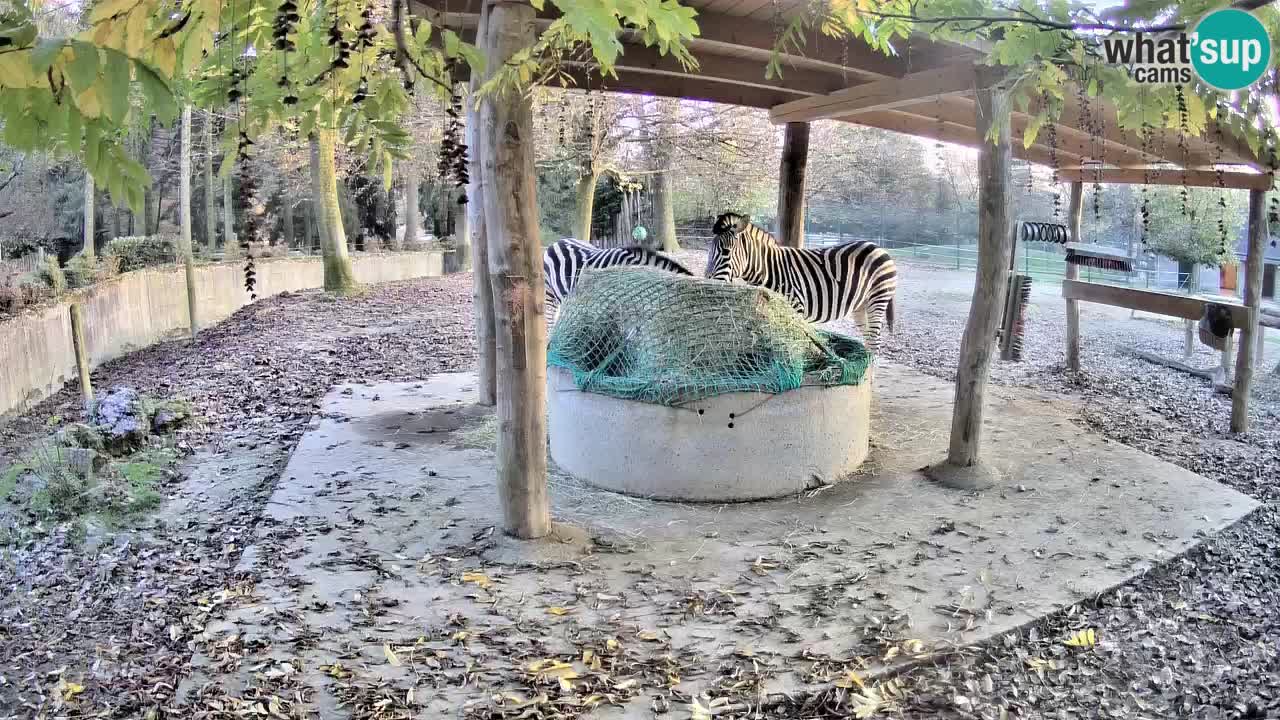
[[888, 316]]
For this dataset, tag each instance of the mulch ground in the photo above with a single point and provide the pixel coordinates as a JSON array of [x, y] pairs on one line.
[[108, 628]]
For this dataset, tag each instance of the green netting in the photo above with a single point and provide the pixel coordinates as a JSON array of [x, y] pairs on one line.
[[667, 339]]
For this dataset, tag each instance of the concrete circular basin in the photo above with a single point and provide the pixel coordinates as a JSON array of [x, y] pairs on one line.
[[731, 447]]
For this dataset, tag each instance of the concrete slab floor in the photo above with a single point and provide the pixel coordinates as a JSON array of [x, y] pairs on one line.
[[387, 579]]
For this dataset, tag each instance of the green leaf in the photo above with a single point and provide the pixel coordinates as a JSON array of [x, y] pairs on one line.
[[116, 76], [83, 69], [158, 92], [44, 54], [106, 9]]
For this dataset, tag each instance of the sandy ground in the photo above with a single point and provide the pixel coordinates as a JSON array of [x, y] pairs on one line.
[[108, 626]]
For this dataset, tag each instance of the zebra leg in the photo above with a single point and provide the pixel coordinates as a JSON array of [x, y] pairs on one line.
[[873, 317], [860, 317]]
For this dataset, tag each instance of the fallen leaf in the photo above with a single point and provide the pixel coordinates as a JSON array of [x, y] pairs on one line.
[[1086, 638], [391, 655], [559, 610], [478, 578]]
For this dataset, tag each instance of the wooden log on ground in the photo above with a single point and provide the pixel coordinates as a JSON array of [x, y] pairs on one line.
[[795, 156], [1075, 209], [962, 468], [505, 133], [1253, 301], [1212, 374]]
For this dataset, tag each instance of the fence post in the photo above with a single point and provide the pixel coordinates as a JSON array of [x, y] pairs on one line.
[[82, 352]]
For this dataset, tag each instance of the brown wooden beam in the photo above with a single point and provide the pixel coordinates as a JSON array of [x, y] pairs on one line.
[[1153, 301], [920, 126], [1252, 299], [1071, 143], [1233, 180], [795, 156], [880, 95]]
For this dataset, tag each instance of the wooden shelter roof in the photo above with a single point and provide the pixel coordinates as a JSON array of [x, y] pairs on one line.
[[926, 90]]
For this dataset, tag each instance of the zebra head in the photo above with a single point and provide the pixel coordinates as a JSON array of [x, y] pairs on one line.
[[726, 253]]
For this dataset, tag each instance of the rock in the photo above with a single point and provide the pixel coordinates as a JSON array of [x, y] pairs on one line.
[[120, 418], [167, 415]]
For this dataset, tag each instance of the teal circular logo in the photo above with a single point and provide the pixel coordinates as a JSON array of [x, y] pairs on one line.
[[1230, 49]]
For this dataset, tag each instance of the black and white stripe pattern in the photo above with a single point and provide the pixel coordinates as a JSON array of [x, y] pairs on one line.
[[822, 284], [563, 262]]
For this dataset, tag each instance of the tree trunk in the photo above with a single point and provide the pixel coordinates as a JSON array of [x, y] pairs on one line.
[[89, 215], [1252, 299], [286, 214], [82, 353], [210, 205], [664, 212], [412, 212], [230, 244], [995, 242], [184, 210], [505, 134], [795, 156], [586, 203], [339, 274], [482, 285], [1075, 209]]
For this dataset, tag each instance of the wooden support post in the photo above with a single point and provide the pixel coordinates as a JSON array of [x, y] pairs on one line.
[[82, 352], [962, 468], [1252, 300], [1075, 209], [482, 291], [795, 156], [505, 136]]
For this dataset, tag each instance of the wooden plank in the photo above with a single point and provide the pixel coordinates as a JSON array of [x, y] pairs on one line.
[[795, 156], [1152, 301], [1075, 208], [906, 122], [1233, 180], [1252, 300], [505, 134], [1071, 142], [880, 95]]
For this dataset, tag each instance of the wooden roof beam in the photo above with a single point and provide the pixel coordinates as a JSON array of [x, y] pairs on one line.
[[957, 134], [1071, 142], [1232, 180], [880, 95]]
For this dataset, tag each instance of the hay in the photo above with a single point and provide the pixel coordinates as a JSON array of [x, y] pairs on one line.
[[656, 337]]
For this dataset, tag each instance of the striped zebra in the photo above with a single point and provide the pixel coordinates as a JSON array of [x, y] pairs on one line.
[[564, 261], [822, 284]]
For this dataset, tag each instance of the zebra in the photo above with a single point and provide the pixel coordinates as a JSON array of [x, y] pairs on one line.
[[822, 284], [564, 261]]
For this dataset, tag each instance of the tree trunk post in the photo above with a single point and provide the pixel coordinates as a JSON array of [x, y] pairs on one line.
[[230, 246], [184, 208], [89, 215], [1252, 300], [210, 204], [339, 274], [1075, 211], [795, 156], [505, 135], [586, 204], [82, 352], [482, 285], [962, 468], [412, 211]]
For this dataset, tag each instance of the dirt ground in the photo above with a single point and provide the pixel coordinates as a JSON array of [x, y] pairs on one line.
[[107, 626]]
